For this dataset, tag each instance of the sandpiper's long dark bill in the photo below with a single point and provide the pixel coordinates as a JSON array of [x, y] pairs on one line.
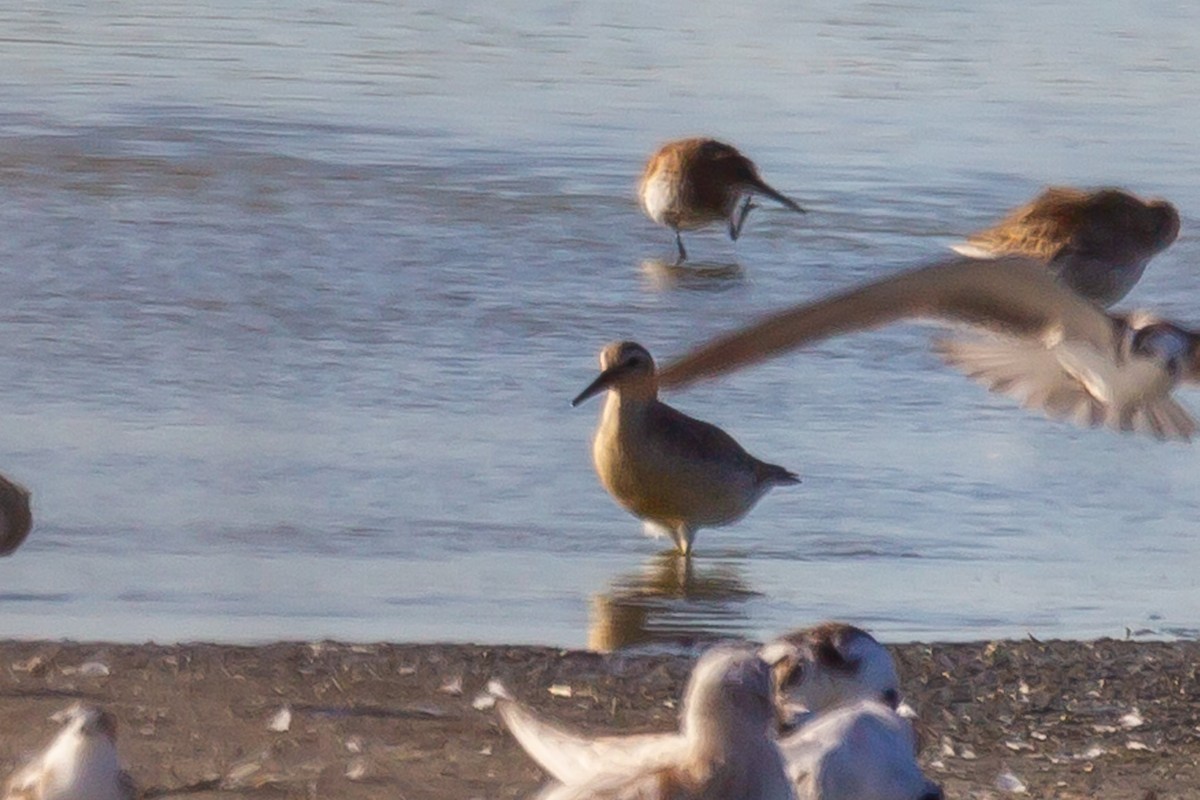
[[692, 183], [1096, 242], [675, 472], [1041, 343]]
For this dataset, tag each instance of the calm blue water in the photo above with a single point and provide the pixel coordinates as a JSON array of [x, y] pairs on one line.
[[295, 301]]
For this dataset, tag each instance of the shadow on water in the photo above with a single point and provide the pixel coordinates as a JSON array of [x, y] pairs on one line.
[[663, 275], [672, 601]]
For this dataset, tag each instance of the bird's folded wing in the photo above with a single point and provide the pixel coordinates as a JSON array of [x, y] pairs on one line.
[[571, 757]]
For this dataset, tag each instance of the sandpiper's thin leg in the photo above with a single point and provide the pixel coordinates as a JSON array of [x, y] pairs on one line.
[[739, 218], [679, 243], [684, 536]]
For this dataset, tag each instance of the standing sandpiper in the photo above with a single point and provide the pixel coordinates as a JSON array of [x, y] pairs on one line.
[[692, 183], [675, 472], [1098, 243]]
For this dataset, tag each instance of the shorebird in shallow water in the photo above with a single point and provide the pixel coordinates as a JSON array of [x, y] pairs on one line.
[[1048, 346], [692, 183], [862, 751], [675, 472], [724, 748], [829, 665], [1098, 243], [15, 517], [80, 764]]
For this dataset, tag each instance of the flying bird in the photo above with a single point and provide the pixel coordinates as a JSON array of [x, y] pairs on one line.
[[1040, 342], [1098, 242], [693, 183], [724, 748], [80, 764], [675, 472]]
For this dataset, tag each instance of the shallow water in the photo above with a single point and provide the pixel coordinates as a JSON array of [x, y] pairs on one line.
[[295, 307]]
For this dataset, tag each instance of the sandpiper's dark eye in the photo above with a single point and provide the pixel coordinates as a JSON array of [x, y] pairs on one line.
[[892, 698]]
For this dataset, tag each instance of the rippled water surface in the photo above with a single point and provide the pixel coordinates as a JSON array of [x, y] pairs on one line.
[[295, 300]]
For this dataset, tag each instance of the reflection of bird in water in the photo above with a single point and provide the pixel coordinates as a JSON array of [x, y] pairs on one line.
[[724, 748], [828, 665], [80, 764], [664, 275], [1040, 342], [862, 751], [672, 602], [692, 183], [1098, 243], [15, 517], [671, 470]]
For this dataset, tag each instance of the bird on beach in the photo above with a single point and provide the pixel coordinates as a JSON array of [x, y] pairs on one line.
[[80, 764], [860, 751], [16, 519], [724, 748], [675, 472], [1040, 342], [1096, 242], [828, 665], [691, 183], [818, 668]]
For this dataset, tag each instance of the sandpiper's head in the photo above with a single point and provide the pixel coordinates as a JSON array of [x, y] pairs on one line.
[[830, 665], [728, 695], [1115, 220], [1176, 348], [88, 720], [625, 367]]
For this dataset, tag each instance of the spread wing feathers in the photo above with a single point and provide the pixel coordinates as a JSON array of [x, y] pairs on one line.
[[1074, 383], [1025, 371], [571, 757], [1012, 296]]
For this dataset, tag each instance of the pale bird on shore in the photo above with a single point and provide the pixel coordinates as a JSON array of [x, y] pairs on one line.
[[861, 751], [1098, 242], [80, 764], [675, 472], [828, 665], [1040, 342], [693, 183], [15, 517], [724, 748], [819, 668]]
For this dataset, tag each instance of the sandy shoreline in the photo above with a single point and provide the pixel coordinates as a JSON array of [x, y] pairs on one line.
[[384, 720]]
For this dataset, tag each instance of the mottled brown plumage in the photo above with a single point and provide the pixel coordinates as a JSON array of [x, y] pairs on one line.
[[691, 183], [16, 519], [1096, 242]]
